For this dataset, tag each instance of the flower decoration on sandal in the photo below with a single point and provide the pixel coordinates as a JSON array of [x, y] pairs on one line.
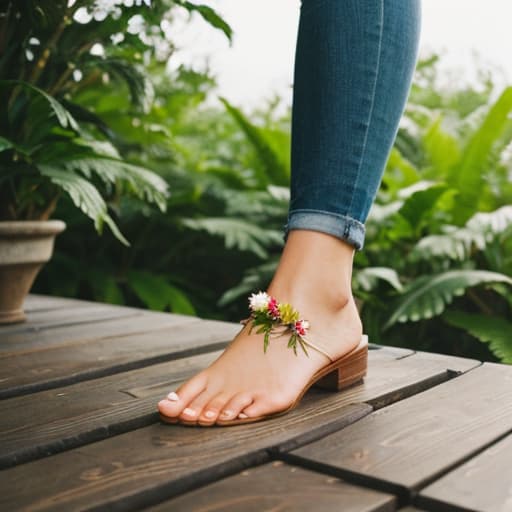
[[277, 318]]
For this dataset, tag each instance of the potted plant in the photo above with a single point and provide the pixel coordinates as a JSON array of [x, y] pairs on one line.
[[50, 145]]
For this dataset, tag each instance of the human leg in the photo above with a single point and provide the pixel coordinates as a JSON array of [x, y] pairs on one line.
[[354, 64], [353, 71]]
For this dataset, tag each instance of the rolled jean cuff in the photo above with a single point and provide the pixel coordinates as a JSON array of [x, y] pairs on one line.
[[341, 226]]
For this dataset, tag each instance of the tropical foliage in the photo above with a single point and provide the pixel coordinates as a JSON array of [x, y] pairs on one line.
[[52, 54], [435, 273]]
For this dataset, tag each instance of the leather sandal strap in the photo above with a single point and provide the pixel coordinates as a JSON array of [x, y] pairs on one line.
[[317, 348]]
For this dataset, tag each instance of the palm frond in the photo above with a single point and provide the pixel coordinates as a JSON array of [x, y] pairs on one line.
[[457, 242], [238, 234], [141, 89], [494, 330], [367, 278], [85, 196], [64, 117], [428, 296], [143, 183]]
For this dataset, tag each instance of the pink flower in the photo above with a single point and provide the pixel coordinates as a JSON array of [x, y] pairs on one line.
[[273, 308], [301, 327]]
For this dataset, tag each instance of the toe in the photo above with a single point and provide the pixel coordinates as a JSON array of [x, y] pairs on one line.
[[233, 408], [178, 400], [262, 406], [196, 406], [212, 409]]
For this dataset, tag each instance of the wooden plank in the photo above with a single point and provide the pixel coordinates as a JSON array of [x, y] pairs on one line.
[[36, 302], [150, 464], [144, 341], [12, 336], [483, 483], [111, 323], [280, 487], [52, 421], [406, 445]]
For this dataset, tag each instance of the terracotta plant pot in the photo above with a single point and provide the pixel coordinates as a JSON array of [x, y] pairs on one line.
[[25, 246]]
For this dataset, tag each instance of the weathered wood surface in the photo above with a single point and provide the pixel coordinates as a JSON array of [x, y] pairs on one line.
[[462, 488], [411, 442], [54, 420], [79, 429], [128, 344], [280, 487]]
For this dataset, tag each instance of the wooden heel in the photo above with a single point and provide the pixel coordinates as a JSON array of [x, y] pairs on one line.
[[349, 370]]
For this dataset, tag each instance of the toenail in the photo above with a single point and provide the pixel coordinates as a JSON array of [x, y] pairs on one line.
[[227, 413], [243, 416], [189, 412], [173, 397], [209, 414]]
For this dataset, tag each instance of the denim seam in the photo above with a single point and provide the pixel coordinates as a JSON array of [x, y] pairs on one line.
[[347, 218], [370, 114], [350, 225]]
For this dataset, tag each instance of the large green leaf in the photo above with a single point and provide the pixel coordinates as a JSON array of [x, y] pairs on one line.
[[238, 234], [276, 171], [85, 196], [5, 144], [492, 222], [144, 183], [417, 206], [367, 278], [63, 115], [442, 148], [158, 294], [428, 296], [210, 15], [490, 329], [458, 242], [470, 176]]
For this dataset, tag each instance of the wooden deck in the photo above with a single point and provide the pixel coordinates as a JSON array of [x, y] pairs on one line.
[[79, 384]]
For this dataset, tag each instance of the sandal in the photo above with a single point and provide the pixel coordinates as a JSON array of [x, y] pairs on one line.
[[278, 319]]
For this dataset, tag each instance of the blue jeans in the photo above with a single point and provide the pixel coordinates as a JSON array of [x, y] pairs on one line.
[[353, 70]]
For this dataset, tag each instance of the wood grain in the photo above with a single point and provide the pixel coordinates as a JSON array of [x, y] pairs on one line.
[[411, 442], [280, 487], [58, 419], [36, 302], [102, 323], [145, 342], [484, 483], [151, 464], [77, 315]]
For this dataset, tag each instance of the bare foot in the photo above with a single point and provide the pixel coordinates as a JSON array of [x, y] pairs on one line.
[[314, 276]]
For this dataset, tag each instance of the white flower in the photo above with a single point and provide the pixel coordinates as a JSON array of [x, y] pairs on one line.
[[98, 50], [117, 38], [259, 301], [136, 24]]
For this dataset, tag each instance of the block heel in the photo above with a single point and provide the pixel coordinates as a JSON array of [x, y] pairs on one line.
[[348, 370]]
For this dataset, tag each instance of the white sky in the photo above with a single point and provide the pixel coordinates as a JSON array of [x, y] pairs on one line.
[[260, 60]]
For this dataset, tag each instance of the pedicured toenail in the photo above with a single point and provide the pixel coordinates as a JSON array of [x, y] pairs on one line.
[[173, 397], [209, 414], [243, 416], [226, 414], [189, 412]]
